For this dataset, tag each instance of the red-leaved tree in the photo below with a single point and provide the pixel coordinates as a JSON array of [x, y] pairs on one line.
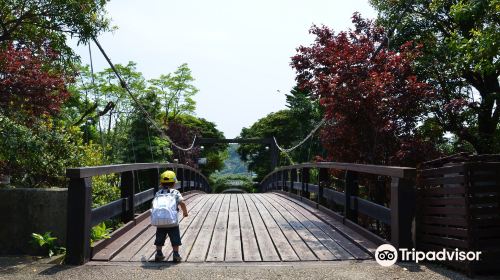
[[29, 87], [183, 136], [373, 101]]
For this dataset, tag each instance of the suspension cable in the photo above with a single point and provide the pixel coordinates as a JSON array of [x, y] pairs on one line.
[[103, 145], [303, 140], [123, 84]]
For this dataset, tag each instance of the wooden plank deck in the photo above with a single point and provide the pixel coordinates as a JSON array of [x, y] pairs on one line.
[[244, 228]]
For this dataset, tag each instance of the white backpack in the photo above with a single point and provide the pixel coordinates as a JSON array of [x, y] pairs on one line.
[[164, 211]]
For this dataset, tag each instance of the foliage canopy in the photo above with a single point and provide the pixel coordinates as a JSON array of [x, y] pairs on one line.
[[459, 59], [373, 103], [38, 23]]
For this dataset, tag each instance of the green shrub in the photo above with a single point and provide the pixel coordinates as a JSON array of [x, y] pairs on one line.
[[99, 232], [48, 242], [221, 183], [37, 156]]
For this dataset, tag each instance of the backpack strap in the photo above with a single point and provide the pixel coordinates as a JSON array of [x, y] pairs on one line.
[[163, 190]]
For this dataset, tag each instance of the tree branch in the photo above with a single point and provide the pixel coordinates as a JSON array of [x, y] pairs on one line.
[[108, 107], [92, 109], [85, 114]]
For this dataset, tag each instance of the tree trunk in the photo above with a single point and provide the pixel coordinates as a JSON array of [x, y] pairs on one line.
[[489, 112]]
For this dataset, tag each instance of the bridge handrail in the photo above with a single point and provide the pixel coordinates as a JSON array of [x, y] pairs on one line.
[[392, 171], [83, 172], [402, 205], [81, 215]]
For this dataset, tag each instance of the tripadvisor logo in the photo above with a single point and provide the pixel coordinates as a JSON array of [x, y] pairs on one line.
[[387, 255]]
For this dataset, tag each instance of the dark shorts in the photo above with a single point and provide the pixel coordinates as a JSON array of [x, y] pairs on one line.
[[173, 233]]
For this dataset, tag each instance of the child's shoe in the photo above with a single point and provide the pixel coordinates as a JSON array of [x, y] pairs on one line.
[[159, 256], [176, 257]]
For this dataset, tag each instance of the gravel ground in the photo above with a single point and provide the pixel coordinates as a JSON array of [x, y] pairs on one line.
[[27, 268]]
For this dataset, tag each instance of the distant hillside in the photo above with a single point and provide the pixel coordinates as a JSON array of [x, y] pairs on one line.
[[233, 164]]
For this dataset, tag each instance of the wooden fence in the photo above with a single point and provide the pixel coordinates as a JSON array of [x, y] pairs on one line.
[[459, 207]]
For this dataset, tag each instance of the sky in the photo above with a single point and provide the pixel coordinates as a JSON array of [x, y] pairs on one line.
[[239, 51]]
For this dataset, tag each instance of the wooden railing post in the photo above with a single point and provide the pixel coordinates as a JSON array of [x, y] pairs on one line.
[[182, 179], [289, 181], [127, 184], [279, 175], [293, 178], [284, 180], [276, 180], [193, 180], [402, 211], [279, 180], [78, 220], [305, 182], [351, 190], [322, 179], [157, 185], [187, 173]]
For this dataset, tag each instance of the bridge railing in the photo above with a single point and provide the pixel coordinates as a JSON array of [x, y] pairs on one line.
[[399, 216], [82, 217]]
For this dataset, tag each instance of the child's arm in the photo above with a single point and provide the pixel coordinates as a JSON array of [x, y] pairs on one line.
[[184, 209]]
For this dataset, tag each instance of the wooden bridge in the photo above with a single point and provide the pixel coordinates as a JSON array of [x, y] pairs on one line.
[[286, 222], [281, 224], [245, 227]]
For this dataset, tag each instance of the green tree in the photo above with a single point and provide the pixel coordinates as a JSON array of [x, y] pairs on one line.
[[144, 143], [232, 181], [177, 92], [233, 164], [214, 153], [289, 127], [459, 58], [41, 22], [102, 108], [306, 109], [37, 156], [281, 125]]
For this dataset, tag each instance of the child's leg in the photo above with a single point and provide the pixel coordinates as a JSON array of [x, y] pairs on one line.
[[175, 239], [161, 235]]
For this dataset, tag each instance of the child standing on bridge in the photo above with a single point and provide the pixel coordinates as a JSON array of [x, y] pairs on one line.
[[167, 182]]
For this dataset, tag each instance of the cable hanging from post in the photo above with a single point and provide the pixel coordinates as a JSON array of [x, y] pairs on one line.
[[123, 84], [303, 140]]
